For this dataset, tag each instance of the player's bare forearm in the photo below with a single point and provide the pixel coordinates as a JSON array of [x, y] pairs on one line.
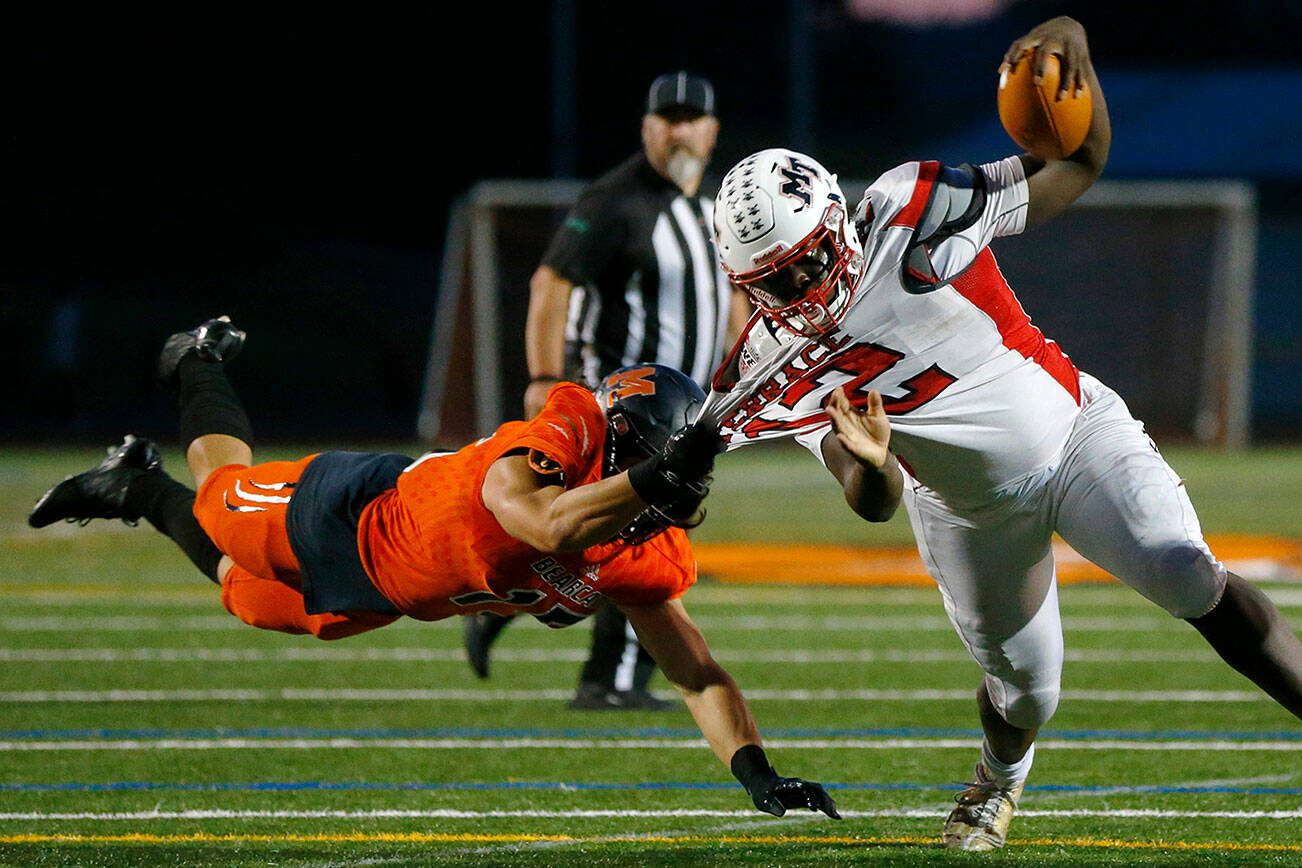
[[720, 711], [857, 453], [1055, 184], [873, 494], [711, 695], [553, 519], [544, 335], [723, 717]]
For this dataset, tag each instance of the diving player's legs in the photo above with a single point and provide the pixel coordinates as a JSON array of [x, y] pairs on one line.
[[1124, 508], [273, 605], [242, 509], [131, 484], [215, 430], [996, 577], [214, 427]]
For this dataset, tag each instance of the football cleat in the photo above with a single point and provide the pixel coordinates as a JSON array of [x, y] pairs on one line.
[[101, 491], [980, 820], [216, 340]]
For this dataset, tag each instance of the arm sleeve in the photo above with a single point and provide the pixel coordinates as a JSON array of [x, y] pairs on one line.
[[593, 232], [968, 208], [1007, 195]]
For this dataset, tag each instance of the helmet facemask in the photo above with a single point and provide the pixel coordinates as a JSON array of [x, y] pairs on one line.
[[645, 405], [808, 288], [784, 237]]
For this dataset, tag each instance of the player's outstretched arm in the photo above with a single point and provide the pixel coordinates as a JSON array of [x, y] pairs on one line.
[[1055, 184], [857, 453], [535, 509], [720, 710]]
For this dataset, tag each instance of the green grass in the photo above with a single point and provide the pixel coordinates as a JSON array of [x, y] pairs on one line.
[[780, 492], [107, 608]]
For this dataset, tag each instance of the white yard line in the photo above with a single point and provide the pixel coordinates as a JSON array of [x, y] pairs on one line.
[[290, 694], [690, 743], [1108, 792], [331, 653], [458, 814], [709, 623]]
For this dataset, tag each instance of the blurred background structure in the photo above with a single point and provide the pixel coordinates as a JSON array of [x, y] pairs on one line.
[[297, 170]]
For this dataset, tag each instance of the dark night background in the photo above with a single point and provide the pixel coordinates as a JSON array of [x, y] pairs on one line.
[[294, 169]]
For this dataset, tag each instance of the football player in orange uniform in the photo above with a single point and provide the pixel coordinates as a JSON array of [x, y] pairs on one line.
[[580, 507]]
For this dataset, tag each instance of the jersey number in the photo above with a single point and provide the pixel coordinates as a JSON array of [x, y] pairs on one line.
[[517, 597], [865, 363]]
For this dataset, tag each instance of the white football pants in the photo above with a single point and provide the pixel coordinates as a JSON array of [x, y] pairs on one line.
[[1114, 499]]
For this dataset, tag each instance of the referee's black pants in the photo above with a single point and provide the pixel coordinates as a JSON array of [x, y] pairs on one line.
[[616, 660]]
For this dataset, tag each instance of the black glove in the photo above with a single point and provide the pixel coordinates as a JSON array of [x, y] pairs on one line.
[[773, 793], [681, 469], [685, 512]]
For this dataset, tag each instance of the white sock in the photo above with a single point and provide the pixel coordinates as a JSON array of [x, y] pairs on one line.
[[1006, 774]]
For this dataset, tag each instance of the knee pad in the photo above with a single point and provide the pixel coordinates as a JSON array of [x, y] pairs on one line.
[[1182, 577], [1028, 705]]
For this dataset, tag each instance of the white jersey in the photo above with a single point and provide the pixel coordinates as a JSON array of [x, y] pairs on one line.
[[979, 401]]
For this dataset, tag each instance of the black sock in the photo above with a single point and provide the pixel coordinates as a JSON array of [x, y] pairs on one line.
[[209, 404], [169, 506], [643, 670]]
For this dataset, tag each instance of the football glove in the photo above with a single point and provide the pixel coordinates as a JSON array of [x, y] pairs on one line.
[[773, 793], [680, 471], [685, 512]]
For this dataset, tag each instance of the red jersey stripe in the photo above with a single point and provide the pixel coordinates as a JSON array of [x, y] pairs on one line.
[[911, 213], [983, 285]]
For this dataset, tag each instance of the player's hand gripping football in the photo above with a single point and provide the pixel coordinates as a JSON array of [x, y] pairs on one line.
[[1062, 36], [865, 433]]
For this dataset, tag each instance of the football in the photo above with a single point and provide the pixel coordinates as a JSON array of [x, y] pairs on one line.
[[1032, 114]]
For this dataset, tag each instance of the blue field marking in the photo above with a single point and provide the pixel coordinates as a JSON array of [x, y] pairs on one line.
[[633, 732], [571, 786]]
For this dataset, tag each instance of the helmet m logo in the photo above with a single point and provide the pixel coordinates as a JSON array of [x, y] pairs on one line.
[[626, 384], [799, 182]]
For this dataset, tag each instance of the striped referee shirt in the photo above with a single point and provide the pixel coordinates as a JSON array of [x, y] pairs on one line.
[[647, 286]]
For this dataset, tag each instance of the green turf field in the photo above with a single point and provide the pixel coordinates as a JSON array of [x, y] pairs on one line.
[[140, 724]]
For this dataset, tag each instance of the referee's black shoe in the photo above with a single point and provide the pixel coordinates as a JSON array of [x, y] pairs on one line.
[[100, 492], [479, 633], [215, 340], [596, 697]]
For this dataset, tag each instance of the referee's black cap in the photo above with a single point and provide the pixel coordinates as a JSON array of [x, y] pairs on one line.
[[680, 91]]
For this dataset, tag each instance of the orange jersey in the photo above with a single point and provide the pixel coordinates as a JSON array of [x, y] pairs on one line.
[[433, 548]]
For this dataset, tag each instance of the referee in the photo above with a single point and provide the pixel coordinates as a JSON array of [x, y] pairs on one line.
[[631, 277]]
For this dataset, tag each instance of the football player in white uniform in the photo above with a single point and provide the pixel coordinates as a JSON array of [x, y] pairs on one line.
[[896, 328]]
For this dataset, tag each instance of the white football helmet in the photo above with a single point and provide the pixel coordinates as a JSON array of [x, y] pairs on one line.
[[783, 234]]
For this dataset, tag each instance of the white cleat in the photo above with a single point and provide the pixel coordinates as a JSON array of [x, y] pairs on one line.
[[980, 821]]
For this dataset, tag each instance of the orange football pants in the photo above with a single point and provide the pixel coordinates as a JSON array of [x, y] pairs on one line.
[[242, 509]]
